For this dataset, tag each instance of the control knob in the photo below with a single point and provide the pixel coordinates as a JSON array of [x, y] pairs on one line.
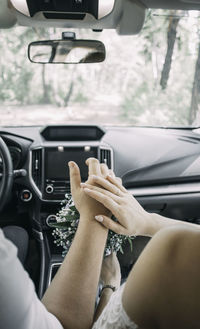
[[49, 189], [26, 195], [51, 219]]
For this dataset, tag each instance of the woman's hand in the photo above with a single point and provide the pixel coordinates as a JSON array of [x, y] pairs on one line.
[[110, 271], [132, 218], [86, 206]]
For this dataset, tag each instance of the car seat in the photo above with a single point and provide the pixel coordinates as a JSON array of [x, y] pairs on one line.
[[20, 239]]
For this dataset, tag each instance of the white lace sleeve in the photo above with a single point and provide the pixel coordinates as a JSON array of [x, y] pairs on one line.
[[114, 315]]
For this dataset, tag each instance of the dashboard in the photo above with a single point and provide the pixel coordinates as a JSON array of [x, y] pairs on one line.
[[150, 161], [160, 167], [154, 163]]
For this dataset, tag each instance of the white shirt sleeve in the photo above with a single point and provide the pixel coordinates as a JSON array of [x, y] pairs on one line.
[[19, 305]]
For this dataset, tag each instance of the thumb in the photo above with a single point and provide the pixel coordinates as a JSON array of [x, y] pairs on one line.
[[75, 177], [110, 224]]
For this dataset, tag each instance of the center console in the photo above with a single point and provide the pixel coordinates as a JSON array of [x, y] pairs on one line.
[[49, 177]]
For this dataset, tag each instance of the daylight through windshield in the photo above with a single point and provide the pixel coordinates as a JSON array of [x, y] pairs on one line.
[[151, 79]]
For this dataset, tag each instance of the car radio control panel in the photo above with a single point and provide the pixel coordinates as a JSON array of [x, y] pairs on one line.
[[49, 171]]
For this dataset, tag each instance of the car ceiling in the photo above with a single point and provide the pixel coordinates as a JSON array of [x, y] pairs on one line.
[[127, 17], [172, 4]]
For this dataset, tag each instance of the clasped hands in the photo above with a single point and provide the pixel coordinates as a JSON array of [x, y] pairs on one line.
[[102, 195]]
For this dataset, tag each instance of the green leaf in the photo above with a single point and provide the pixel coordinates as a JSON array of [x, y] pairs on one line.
[[62, 225], [121, 250], [73, 208], [131, 243]]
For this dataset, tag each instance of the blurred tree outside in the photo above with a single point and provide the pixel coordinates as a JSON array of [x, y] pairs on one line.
[[149, 79], [195, 100], [171, 40], [171, 64]]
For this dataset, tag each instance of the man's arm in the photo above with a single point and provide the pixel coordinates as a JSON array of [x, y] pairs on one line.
[[71, 295]]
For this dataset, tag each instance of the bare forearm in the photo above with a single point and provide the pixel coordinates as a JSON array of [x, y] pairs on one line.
[[105, 297], [160, 282], [71, 296], [158, 222]]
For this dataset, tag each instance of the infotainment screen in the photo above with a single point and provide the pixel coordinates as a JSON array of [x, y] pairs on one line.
[[56, 161]]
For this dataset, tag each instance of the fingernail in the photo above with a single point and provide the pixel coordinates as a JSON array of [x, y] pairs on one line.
[[71, 164], [94, 176], [83, 185], [99, 218]]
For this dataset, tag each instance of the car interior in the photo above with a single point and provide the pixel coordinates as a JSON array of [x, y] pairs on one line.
[[158, 165]]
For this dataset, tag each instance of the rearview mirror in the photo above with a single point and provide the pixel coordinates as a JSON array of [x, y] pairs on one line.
[[66, 51]]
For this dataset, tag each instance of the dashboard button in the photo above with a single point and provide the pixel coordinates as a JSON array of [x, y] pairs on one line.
[[49, 189], [26, 195], [51, 219]]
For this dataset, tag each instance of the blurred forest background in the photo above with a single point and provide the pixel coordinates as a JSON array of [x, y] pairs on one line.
[[150, 79]]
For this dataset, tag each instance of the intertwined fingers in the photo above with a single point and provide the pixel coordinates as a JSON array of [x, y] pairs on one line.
[[106, 185], [100, 174], [93, 167], [114, 196], [111, 184], [109, 200], [104, 170]]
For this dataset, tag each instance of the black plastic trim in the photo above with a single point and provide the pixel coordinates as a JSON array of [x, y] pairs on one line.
[[72, 133]]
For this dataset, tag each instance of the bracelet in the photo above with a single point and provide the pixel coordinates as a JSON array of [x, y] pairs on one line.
[[108, 286]]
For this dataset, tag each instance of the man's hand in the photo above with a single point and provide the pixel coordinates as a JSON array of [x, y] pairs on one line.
[[87, 206]]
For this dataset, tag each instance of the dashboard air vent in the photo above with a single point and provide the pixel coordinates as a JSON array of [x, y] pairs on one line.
[[106, 157], [37, 167]]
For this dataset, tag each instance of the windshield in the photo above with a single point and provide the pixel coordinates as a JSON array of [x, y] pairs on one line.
[[152, 79]]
